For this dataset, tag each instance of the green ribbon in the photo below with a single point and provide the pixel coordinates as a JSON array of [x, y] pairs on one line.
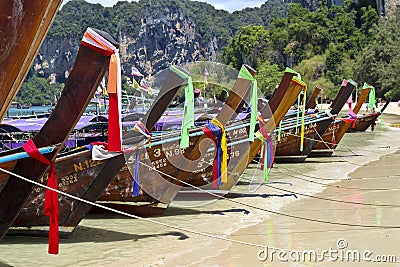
[[246, 75], [302, 120], [298, 114], [279, 130], [188, 111], [352, 82], [289, 70], [371, 96]]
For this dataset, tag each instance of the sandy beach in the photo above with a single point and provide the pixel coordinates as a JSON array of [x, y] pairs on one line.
[[348, 202]]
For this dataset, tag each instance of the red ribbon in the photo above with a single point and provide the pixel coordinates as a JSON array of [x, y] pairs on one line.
[[51, 197], [210, 135]]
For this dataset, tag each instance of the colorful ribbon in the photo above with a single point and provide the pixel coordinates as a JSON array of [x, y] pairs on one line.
[[212, 132], [267, 152], [94, 40], [245, 74], [216, 132], [141, 128], [351, 119], [51, 197], [302, 119], [135, 185], [298, 113], [280, 130], [224, 148], [289, 70], [371, 96], [188, 112]]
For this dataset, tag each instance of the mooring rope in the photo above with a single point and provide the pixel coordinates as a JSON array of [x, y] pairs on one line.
[[271, 211], [194, 231], [337, 186]]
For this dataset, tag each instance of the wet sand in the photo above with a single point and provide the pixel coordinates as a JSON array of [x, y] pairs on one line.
[[118, 241]]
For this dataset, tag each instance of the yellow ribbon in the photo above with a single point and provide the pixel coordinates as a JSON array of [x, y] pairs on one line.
[[224, 147]]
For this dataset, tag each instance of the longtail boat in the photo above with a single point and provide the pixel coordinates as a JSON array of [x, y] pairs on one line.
[[24, 25], [292, 146], [337, 129], [199, 170], [312, 101], [364, 121], [291, 88], [156, 191], [90, 66], [83, 177]]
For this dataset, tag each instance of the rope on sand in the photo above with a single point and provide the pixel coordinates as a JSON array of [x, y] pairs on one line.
[[337, 180], [132, 215], [271, 211]]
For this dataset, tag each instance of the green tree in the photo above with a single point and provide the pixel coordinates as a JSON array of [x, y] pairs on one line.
[[378, 63]]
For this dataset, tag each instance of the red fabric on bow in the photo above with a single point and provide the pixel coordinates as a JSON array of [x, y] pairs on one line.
[[93, 40], [51, 197]]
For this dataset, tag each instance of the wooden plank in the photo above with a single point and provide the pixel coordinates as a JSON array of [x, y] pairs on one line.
[[90, 66], [24, 25]]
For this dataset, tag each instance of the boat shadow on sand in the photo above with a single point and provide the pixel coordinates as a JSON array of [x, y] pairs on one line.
[[90, 234]]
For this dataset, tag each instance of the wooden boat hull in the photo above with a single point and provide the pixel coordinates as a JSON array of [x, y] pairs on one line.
[[164, 165], [364, 122], [288, 148], [84, 178], [75, 175], [74, 99], [337, 129], [158, 189], [330, 140], [24, 25], [288, 145]]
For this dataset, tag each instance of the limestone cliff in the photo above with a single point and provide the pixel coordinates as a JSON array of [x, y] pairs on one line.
[[153, 34]]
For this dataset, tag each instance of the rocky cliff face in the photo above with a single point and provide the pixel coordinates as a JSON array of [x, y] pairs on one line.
[[56, 58], [153, 34], [166, 36]]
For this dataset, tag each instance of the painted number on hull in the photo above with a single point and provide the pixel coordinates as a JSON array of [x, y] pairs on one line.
[[86, 164], [68, 179]]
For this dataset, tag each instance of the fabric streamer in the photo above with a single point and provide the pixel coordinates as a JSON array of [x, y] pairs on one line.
[[289, 70], [141, 128], [51, 197], [95, 41], [135, 185], [246, 75], [188, 111], [371, 96], [280, 130], [213, 132], [298, 114], [100, 151], [351, 119], [302, 119], [224, 148], [333, 141], [267, 152]]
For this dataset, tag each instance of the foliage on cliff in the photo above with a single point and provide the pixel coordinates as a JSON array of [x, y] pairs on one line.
[[323, 46]]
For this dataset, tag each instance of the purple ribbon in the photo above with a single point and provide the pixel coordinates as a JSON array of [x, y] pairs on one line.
[[216, 131], [135, 186]]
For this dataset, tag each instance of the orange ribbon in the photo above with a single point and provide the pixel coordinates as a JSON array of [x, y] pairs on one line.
[[113, 87]]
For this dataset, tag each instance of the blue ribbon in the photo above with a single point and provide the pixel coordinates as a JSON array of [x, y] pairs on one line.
[[216, 131], [135, 186]]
